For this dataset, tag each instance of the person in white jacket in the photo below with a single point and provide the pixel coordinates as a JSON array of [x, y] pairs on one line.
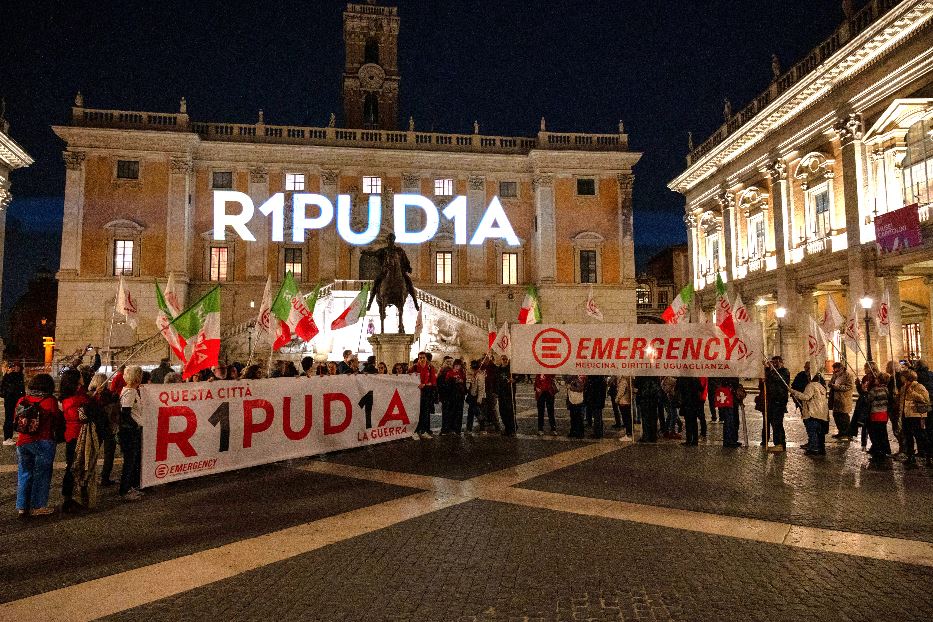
[[815, 414]]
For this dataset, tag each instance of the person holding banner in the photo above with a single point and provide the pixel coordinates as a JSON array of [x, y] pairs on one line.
[[595, 398], [726, 399], [878, 419], [840, 391], [545, 390], [690, 396], [575, 391], [427, 377], [815, 409], [130, 434], [648, 402], [914, 406], [506, 396]]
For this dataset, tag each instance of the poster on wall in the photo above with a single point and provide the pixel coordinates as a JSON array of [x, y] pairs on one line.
[[898, 230], [202, 428], [699, 350]]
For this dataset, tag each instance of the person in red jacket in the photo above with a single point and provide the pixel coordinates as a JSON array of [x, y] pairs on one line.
[[545, 390], [427, 377], [74, 399], [36, 452]]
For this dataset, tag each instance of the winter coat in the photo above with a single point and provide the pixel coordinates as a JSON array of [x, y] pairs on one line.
[[544, 383], [841, 384], [623, 391], [72, 409], [813, 401], [914, 400], [50, 421], [594, 393]]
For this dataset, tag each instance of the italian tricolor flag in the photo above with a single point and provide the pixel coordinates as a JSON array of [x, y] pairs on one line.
[[531, 308], [294, 316], [679, 311], [201, 321], [724, 309], [167, 311], [354, 313]]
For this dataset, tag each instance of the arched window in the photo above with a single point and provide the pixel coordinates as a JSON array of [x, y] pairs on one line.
[[371, 111], [371, 52]]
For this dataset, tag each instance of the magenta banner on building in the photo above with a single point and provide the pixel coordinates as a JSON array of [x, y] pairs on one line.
[[898, 230]]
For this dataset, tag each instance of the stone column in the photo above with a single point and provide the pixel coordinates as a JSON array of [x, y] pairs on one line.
[[6, 197], [803, 307], [691, 222], [926, 338], [476, 205], [546, 229], [178, 220], [73, 218], [327, 239], [257, 253], [780, 197], [862, 277], [411, 184], [893, 347], [626, 231], [727, 205]]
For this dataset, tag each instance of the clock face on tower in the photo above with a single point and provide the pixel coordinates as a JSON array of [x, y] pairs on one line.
[[371, 77]]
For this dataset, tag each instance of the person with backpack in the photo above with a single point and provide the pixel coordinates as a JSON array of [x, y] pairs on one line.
[[12, 388], [130, 434], [37, 420]]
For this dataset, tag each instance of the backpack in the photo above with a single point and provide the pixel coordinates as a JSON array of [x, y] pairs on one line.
[[28, 417]]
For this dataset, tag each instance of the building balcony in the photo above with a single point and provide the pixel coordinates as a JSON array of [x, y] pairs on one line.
[[341, 137]]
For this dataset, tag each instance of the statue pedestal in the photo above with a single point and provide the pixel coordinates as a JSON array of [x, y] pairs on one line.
[[392, 348]]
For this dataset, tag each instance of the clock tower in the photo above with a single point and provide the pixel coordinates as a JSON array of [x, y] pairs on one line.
[[370, 74]]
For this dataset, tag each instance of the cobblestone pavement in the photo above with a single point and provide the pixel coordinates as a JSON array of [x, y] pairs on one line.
[[510, 529], [490, 561]]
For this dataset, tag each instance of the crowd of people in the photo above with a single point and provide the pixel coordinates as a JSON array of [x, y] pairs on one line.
[[93, 413]]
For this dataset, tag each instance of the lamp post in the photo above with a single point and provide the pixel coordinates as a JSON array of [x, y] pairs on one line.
[[866, 303], [781, 313]]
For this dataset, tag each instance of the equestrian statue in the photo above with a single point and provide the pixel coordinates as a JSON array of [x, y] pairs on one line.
[[393, 285]]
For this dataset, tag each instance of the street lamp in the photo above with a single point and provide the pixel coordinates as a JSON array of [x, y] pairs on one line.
[[866, 303], [781, 313]]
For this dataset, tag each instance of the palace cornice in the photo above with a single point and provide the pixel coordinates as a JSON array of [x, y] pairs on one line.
[[12, 155], [882, 36], [79, 137]]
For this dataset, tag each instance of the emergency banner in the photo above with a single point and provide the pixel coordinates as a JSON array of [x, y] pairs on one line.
[[195, 429], [699, 350]]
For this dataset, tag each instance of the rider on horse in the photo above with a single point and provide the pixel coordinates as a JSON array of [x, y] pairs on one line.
[[385, 263]]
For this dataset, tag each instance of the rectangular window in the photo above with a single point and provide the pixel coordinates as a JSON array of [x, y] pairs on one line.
[[443, 262], [821, 211], [587, 266], [643, 297], [372, 185], [444, 187], [293, 262], [912, 333], [756, 236], [123, 257], [294, 182], [508, 189], [712, 252], [222, 179], [218, 263], [586, 187], [510, 268], [662, 298], [127, 169]]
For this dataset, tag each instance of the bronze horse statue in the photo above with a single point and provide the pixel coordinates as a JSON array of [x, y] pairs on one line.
[[393, 285]]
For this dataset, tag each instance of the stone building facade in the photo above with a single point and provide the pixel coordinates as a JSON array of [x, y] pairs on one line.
[[12, 157], [781, 200], [138, 201]]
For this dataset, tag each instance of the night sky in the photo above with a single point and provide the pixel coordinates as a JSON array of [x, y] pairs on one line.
[[663, 68]]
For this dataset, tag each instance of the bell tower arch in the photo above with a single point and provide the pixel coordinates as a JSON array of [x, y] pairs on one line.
[[370, 74]]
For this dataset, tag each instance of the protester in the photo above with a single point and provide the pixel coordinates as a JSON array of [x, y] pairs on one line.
[[442, 393], [595, 399], [894, 414], [729, 392], [307, 363], [711, 384], [576, 385], [12, 388], [130, 434], [117, 382], [218, 372], [344, 366], [624, 401], [545, 389], [252, 372], [859, 419], [109, 406], [476, 394], [456, 392], [690, 397], [427, 384], [74, 401], [381, 368], [914, 406], [159, 373], [491, 376], [815, 411], [648, 403], [332, 368], [505, 395], [878, 404], [840, 392], [777, 382], [37, 419], [669, 403], [370, 366]]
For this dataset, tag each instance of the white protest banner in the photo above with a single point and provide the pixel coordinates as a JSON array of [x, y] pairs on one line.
[[699, 350], [203, 428]]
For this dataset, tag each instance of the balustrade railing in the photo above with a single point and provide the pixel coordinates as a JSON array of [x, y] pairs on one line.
[[333, 136], [859, 22]]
